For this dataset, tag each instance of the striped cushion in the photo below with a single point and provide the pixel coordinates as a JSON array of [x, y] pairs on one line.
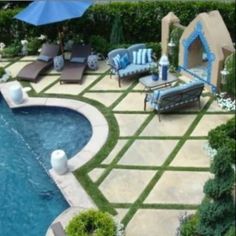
[[134, 57], [116, 61], [139, 57], [149, 55], [144, 56]]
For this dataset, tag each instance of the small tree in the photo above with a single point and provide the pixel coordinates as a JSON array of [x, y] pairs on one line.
[[117, 36], [217, 210]]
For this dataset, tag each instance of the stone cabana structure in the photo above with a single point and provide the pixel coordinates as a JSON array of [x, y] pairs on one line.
[[203, 47]]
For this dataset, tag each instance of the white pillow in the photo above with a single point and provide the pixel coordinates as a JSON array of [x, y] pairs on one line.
[[149, 55], [144, 53], [134, 57], [139, 57]]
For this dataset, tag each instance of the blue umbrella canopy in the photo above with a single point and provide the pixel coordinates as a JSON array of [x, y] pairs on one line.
[[42, 12]]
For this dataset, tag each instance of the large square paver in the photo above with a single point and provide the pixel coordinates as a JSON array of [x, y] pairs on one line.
[[148, 152], [105, 98], [72, 88], [179, 187], [192, 154], [125, 186], [157, 222], [44, 82], [107, 83], [132, 102], [120, 144], [170, 125], [130, 123], [15, 68], [209, 122]]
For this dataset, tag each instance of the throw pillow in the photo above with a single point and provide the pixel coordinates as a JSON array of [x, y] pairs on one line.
[[116, 61], [44, 58], [139, 57], [144, 53], [134, 57], [149, 55], [124, 61], [78, 59]]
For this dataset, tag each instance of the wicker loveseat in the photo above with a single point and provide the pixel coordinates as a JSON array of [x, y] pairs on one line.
[[174, 97], [131, 69]]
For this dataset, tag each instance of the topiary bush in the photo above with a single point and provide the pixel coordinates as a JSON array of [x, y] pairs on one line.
[[33, 45], [231, 231], [224, 135], [99, 44], [117, 36], [216, 213], [91, 222]]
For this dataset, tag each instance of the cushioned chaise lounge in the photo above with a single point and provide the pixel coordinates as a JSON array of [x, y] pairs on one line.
[[74, 69], [32, 71]]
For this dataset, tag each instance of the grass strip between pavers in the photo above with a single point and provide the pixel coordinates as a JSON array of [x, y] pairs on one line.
[[133, 209]]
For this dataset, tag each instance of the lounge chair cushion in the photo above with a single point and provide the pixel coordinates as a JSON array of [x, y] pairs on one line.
[[78, 59], [44, 58]]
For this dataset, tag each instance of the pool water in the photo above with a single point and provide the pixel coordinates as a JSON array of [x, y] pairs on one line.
[[29, 200]]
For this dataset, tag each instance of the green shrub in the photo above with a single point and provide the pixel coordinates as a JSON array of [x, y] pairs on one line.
[[231, 231], [156, 47], [12, 50], [91, 222], [33, 45], [2, 71], [224, 135], [231, 78], [189, 225], [99, 44], [175, 35], [141, 20]]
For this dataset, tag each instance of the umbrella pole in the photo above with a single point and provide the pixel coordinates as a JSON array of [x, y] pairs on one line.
[[61, 40]]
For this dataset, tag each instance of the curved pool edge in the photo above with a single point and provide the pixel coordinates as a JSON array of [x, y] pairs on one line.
[[70, 187]]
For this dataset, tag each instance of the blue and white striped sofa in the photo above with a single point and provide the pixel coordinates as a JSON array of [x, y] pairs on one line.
[[174, 97], [131, 69]]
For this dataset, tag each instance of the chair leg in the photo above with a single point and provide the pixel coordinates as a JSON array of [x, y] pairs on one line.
[[110, 74], [119, 82], [145, 102]]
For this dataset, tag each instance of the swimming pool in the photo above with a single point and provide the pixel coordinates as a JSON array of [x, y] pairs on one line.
[[29, 200]]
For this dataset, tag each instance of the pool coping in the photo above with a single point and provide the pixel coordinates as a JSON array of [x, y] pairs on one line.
[[70, 187]]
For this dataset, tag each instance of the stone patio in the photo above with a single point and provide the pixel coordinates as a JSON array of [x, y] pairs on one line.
[[136, 160]]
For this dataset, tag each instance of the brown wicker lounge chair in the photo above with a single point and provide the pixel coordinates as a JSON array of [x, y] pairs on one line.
[[73, 71], [32, 71]]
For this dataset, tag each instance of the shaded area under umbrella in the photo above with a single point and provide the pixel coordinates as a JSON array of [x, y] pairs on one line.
[[43, 12]]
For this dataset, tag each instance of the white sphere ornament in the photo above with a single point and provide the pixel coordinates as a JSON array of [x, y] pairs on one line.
[[59, 162]]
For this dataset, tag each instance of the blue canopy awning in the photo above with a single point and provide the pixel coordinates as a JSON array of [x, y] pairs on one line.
[[42, 12]]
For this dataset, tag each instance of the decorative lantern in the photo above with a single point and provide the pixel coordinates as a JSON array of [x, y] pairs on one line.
[[58, 63], [163, 67], [224, 73], [171, 46]]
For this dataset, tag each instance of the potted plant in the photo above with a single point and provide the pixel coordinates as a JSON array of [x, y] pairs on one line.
[[154, 71]]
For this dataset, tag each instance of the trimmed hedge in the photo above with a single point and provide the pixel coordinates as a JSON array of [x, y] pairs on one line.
[[136, 18]]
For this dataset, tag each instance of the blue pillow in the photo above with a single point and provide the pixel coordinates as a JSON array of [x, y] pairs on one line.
[[124, 61], [44, 58], [78, 59]]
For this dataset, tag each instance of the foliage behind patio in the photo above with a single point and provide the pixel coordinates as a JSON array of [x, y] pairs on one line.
[[136, 17]]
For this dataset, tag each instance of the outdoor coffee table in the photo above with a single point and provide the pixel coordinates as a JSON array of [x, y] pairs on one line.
[[150, 84]]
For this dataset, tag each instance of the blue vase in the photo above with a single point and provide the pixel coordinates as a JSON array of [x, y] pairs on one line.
[[155, 77], [164, 72]]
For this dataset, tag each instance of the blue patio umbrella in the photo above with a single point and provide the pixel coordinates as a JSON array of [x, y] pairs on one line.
[[42, 12]]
